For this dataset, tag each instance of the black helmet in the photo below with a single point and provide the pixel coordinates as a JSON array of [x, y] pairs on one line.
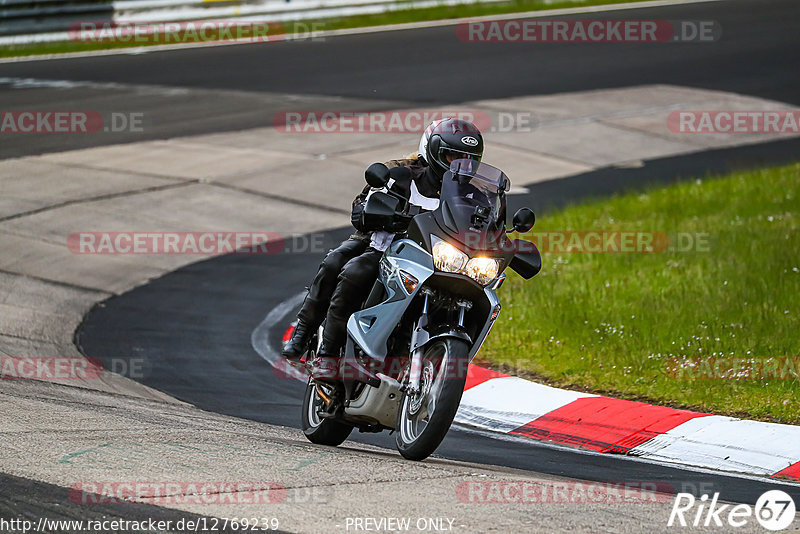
[[455, 138]]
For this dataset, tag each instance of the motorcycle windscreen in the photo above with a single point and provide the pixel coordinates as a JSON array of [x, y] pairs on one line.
[[473, 203]]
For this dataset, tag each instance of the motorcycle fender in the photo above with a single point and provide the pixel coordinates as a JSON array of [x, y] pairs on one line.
[[453, 332]]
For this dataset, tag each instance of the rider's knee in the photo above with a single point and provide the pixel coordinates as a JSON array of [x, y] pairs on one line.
[[360, 271], [332, 264]]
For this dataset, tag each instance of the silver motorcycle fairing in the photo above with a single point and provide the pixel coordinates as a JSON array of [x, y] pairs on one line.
[[377, 405], [370, 328]]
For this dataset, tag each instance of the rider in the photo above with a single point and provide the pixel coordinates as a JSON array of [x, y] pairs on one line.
[[418, 181], [318, 298]]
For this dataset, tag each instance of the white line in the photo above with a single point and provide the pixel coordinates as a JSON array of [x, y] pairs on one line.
[[31, 83], [509, 16], [369, 29], [260, 338], [522, 440], [262, 343]]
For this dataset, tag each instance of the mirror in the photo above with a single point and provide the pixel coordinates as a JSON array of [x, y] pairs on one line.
[[377, 175], [524, 220], [527, 262]]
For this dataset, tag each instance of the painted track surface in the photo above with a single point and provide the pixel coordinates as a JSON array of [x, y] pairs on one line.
[[193, 326]]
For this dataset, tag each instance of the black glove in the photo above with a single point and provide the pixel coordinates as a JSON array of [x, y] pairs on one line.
[[356, 216]]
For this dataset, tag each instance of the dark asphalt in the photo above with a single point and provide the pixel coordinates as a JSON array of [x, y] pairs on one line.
[[192, 328], [22, 499], [758, 54]]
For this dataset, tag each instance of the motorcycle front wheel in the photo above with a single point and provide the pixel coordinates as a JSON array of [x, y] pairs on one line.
[[317, 429], [424, 418]]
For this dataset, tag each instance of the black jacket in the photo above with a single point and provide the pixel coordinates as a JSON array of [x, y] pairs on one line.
[[409, 179]]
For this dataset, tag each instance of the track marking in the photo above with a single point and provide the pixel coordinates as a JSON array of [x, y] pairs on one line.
[[366, 30], [261, 340]]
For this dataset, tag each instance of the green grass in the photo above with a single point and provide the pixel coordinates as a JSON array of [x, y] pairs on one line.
[[615, 323], [395, 17]]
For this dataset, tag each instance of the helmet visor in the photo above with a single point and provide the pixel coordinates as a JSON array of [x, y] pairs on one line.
[[449, 155]]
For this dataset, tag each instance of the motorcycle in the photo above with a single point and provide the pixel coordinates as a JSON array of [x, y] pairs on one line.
[[408, 348]]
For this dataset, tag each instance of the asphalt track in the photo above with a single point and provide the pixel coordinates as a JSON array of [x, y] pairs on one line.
[[758, 54], [192, 327], [39, 499], [189, 332]]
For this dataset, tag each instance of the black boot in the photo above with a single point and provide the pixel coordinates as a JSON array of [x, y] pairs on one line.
[[326, 364], [294, 349]]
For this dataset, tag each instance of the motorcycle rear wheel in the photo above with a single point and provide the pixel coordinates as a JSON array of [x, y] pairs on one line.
[[320, 430]]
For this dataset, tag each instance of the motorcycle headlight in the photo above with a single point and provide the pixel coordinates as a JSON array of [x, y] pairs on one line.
[[482, 270], [448, 258]]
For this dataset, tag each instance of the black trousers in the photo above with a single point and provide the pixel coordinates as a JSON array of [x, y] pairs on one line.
[[354, 284], [323, 285]]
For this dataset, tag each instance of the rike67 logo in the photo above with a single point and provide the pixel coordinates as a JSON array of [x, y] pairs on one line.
[[774, 510]]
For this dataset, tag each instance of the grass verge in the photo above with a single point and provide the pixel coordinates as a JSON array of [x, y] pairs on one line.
[[399, 16], [715, 330]]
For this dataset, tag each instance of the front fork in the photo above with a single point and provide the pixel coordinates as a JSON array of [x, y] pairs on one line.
[[420, 337]]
